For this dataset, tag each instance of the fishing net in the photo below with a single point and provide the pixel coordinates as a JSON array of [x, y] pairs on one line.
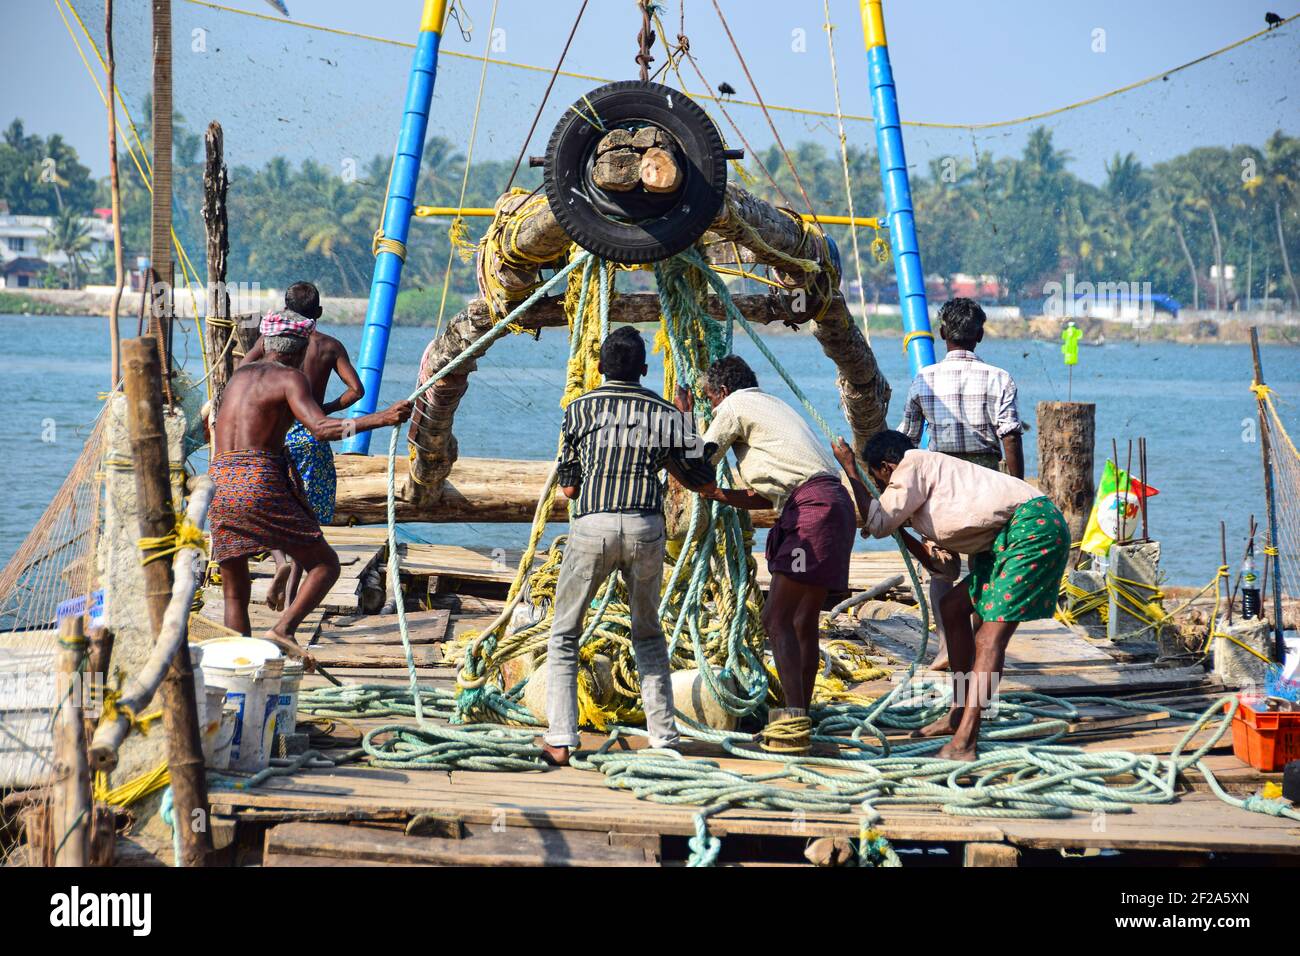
[[51, 572], [1286, 484], [1108, 189]]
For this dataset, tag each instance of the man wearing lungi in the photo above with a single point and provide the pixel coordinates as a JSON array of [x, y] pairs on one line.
[[258, 505], [312, 459], [972, 412], [785, 467], [1018, 544], [617, 438]]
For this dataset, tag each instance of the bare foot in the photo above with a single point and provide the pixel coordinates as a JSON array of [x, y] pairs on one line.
[[286, 643], [945, 726], [555, 756], [950, 751], [275, 593], [940, 663]]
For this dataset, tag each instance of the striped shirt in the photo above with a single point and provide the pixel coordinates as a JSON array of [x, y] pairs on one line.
[[970, 405], [617, 438]]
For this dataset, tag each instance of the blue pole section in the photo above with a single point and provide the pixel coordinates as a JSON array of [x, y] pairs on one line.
[[391, 242], [918, 340]]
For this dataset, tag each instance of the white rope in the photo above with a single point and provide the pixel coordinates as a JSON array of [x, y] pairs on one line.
[[844, 160]]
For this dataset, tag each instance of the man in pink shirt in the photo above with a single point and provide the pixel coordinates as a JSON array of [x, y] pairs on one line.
[[1018, 544]]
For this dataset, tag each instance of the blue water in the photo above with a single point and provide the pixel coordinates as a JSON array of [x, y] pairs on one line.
[[1190, 401]]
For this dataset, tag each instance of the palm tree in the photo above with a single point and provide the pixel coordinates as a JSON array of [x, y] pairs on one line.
[[70, 235], [1282, 158], [1166, 215]]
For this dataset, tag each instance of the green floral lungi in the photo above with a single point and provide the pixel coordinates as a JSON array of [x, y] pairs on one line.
[[1019, 577]]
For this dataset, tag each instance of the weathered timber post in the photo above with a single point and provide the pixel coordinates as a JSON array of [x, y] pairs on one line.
[[70, 808], [142, 377], [1066, 437], [220, 326]]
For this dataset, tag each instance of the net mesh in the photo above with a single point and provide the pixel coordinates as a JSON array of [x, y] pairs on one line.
[[1117, 188], [53, 565]]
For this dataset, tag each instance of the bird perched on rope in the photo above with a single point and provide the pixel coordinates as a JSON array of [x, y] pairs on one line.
[[726, 89], [1272, 19], [280, 8]]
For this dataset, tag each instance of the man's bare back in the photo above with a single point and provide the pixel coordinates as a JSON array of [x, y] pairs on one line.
[[262, 400]]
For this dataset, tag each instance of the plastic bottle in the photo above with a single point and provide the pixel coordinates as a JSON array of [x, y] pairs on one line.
[[1250, 602]]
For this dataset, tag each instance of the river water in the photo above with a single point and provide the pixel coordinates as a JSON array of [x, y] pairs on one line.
[[1191, 402]]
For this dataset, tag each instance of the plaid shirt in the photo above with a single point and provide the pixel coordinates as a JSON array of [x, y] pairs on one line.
[[970, 405]]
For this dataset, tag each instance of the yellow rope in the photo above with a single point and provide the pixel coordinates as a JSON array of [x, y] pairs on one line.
[[185, 535], [113, 708], [382, 243], [788, 735], [920, 334], [133, 790]]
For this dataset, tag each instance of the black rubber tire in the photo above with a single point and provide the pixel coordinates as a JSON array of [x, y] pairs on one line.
[[698, 144]]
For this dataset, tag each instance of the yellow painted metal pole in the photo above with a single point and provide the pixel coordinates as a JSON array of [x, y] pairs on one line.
[[428, 212]]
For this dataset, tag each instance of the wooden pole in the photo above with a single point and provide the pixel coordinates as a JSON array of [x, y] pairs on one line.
[[220, 328], [143, 385], [70, 808], [1066, 435], [160, 243], [1270, 500], [115, 191]]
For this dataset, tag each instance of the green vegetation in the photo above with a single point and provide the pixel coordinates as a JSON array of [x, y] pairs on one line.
[[14, 303], [1028, 220]]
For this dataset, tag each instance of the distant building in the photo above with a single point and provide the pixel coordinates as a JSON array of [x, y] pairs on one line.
[[22, 273], [23, 255]]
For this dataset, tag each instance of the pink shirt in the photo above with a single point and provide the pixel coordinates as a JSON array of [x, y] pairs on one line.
[[957, 504]]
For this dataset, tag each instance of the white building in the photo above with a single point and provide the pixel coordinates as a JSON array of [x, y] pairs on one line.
[[23, 251]]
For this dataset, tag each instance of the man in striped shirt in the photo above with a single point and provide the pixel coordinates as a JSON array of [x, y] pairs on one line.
[[617, 439]]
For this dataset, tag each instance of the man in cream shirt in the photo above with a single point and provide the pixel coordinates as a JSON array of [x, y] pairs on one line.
[[786, 467]]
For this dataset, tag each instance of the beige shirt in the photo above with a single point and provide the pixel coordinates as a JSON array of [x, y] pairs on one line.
[[776, 451], [958, 504]]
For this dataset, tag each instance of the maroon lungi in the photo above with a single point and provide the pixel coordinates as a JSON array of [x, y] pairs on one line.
[[257, 506], [813, 536]]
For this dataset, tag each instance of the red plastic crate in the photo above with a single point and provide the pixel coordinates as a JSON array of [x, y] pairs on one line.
[[1265, 739]]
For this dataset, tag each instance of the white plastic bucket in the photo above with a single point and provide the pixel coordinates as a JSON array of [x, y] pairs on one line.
[[226, 725], [211, 708], [286, 715], [249, 670]]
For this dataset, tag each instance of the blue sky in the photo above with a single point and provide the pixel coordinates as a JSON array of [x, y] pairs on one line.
[[955, 61]]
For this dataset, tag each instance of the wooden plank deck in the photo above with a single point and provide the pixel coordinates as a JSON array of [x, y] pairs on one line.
[[1044, 656], [571, 799]]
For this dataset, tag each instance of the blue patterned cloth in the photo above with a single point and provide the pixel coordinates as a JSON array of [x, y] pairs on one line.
[[314, 462]]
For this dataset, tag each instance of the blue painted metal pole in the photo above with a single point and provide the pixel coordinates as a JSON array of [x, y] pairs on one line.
[[918, 341], [390, 241]]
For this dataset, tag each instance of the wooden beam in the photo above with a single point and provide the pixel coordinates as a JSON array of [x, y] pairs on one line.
[[142, 379], [475, 489], [219, 326], [70, 809], [1066, 436]]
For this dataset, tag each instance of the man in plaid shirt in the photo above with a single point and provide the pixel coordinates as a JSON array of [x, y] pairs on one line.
[[971, 410]]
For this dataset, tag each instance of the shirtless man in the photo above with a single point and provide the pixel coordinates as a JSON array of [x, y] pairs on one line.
[[257, 505], [312, 459]]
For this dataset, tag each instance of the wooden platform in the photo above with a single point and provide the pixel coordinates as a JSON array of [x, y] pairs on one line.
[[358, 815]]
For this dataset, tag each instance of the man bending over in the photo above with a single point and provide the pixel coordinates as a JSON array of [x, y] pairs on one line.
[[1018, 545]]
